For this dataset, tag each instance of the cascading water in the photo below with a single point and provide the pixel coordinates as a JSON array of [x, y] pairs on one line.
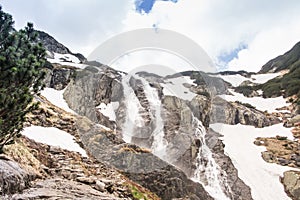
[[159, 143], [207, 171], [133, 106]]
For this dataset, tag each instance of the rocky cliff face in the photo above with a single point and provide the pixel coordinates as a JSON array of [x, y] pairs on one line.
[[139, 164], [180, 119]]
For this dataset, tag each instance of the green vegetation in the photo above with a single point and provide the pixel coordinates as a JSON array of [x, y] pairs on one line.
[[245, 90], [289, 60], [287, 85], [137, 194], [21, 61]]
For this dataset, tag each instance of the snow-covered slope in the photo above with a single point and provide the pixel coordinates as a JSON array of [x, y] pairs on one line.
[[262, 177], [262, 104], [237, 79]]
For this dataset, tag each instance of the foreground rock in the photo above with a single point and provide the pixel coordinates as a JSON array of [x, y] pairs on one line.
[[13, 177], [61, 174], [291, 182]]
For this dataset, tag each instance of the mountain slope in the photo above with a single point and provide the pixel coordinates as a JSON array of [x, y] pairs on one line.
[[53, 46], [289, 60]]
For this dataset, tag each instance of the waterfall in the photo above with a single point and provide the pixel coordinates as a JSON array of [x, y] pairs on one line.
[[207, 171], [159, 143], [133, 106]]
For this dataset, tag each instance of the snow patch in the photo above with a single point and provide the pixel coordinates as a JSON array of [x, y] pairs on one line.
[[268, 104], [67, 59], [263, 78], [175, 87], [237, 79], [262, 177], [56, 97], [54, 137], [108, 110]]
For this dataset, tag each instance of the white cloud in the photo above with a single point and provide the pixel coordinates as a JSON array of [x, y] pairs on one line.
[[267, 28]]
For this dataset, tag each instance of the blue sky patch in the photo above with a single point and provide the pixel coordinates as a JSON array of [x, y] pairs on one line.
[[146, 5], [227, 57]]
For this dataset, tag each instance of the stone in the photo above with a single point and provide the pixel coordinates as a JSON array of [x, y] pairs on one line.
[[268, 157], [13, 177], [291, 182], [100, 186]]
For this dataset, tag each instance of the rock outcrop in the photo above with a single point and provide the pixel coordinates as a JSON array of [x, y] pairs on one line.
[[58, 77], [139, 164], [13, 178], [91, 87], [53, 46], [235, 113]]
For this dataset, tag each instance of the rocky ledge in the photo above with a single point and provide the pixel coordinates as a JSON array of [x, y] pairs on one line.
[[39, 171]]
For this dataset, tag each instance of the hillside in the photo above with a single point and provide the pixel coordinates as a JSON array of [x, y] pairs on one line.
[[100, 133], [289, 60]]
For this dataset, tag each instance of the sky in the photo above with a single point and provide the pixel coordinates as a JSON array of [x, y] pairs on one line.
[[236, 34]]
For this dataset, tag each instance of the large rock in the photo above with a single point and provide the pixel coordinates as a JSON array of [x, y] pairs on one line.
[[291, 182], [90, 88], [61, 189], [12, 177], [235, 113], [139, 164]]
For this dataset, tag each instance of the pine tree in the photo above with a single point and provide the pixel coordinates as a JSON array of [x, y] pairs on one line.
[[21, 75]]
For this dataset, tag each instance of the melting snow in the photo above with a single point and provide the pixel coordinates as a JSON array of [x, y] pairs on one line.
[[262, 177], [175, 87], [56, 98], [54, 137], [269, 104]]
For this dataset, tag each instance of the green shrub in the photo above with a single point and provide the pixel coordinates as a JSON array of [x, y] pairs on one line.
[[21, 75]]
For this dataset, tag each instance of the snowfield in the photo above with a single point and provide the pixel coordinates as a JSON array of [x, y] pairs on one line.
[[175, 87], [56, 97], [268, 104], [263, 178], [236, 80], [54, 137]]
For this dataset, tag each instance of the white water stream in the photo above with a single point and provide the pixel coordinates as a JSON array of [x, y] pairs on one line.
[[207, 172], [159, 143], [133, 106]]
